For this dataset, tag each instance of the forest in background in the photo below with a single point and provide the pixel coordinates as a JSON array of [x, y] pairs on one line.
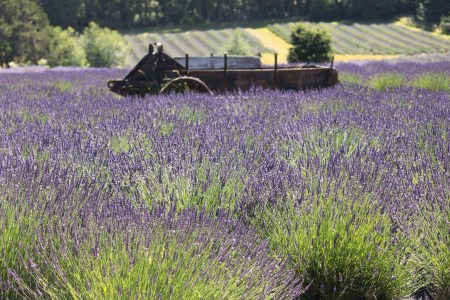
[[120, 14], [76, 32]]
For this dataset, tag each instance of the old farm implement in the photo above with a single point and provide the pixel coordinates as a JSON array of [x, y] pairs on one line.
[[158, 73]]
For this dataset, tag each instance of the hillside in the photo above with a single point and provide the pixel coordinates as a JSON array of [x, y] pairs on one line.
[[350, 41]]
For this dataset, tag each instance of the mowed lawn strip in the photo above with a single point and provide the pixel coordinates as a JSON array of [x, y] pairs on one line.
[[271, 41]]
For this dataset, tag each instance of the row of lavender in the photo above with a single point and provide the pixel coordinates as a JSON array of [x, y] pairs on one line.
[[338, 194], [382, 76]]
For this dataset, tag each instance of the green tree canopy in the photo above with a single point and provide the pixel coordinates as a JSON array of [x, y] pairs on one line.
[[431, 11], [104, 47], [66, 48], [24, 31], [63, 13], [309, 45], [142, 13]]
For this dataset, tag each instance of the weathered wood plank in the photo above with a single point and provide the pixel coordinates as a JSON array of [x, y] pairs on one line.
[[217, 62]]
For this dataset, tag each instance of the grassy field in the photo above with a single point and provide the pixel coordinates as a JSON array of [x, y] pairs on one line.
[[350, 41]]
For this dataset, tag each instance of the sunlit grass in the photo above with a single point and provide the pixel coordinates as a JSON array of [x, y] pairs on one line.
[[363, 57], [271, 41], [386, 81], [350, 78], [432, 81]]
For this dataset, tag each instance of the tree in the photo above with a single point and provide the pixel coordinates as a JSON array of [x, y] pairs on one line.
[[62, 13], [24, 31], [104, 47], [445, 24], [309, 45], [66, 48], [372, 9], [431, 11], [321, 10]]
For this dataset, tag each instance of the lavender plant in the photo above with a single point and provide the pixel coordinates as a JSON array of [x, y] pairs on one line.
[[432, 249], [386, 81], [113, 188], [433, 81], [16, 233], [187, 257], [432, 76], [343, 245]]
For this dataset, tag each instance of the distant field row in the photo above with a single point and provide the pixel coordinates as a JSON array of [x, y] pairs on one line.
[[347, 39], [378, 39], [195, 43]]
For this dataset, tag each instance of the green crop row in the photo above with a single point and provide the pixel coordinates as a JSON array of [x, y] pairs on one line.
[[373, 38], [347, 38], [195, 43]]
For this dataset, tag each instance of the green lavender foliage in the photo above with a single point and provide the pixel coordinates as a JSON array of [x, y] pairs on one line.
[[343, 244], [434, 81], [386, 81], [432, 247]]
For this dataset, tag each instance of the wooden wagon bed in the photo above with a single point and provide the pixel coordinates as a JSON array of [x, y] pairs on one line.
[[159, 73]]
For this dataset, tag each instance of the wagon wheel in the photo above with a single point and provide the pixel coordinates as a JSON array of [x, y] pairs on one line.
[[185, 84]]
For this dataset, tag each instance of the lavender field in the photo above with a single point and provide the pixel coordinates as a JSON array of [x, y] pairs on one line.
[[335, 194]]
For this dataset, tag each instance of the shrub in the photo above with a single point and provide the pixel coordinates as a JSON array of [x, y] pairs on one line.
[[16, 233], [344, 247], [432, 251], [350, 78], [66, 49], [433, 81], [386, 81], [445, 24], [19, 221], [104, 47], [191, 257], [309, 45]]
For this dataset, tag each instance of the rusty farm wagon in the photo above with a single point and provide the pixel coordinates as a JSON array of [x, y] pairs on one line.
[[158, 73]]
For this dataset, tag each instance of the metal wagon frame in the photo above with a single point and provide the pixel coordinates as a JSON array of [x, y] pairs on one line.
[[158, 73]]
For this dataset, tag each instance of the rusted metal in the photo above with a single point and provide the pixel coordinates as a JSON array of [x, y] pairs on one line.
[[225, 72], [158, 73], [184, 84], [275, 72]]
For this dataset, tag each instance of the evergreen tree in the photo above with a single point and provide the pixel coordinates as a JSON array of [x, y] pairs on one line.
[[309, 45], [372, 9], [63, 13], [431, 11], [321, 10], [142, 13], [24, 31]]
